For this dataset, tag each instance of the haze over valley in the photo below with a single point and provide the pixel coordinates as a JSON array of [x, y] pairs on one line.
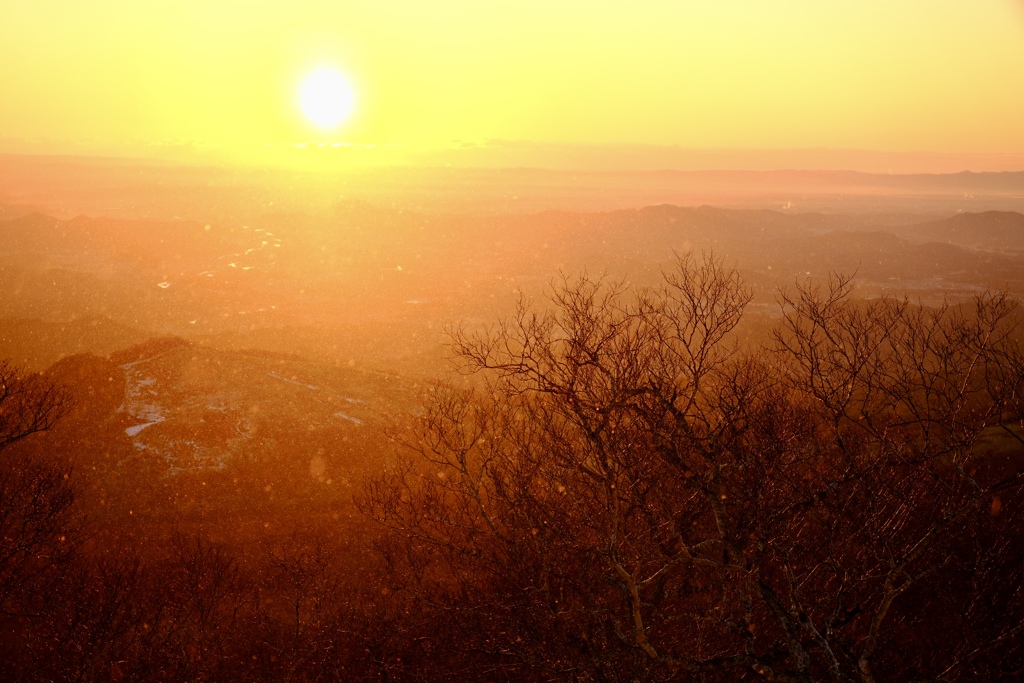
[[533, 342]]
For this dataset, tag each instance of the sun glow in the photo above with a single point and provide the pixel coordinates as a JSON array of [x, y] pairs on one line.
[[326, 98]]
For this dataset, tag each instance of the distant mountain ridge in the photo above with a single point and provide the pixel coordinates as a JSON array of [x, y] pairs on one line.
[[125, 188], [992, 230]]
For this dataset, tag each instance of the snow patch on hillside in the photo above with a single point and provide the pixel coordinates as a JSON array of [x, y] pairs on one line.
[[140, 398]]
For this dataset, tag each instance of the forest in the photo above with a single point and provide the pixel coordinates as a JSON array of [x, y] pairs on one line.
[[613, 481]]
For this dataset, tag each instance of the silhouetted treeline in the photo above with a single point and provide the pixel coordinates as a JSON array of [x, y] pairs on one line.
[[623, 494]]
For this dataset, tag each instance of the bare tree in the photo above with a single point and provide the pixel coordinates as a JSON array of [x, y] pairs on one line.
[[35, 496], [38, 523], [36, 532], [904, 395], [626, 494], [28, 404]]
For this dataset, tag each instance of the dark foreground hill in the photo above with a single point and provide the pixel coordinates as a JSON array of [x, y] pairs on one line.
[[185, 434]]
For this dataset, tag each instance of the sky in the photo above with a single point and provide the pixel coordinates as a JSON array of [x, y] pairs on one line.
[[435, 79]]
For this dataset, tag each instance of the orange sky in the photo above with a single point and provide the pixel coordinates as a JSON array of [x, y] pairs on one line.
[[219, 79]]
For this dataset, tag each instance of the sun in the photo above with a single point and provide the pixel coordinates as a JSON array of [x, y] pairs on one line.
[[326, 98]]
